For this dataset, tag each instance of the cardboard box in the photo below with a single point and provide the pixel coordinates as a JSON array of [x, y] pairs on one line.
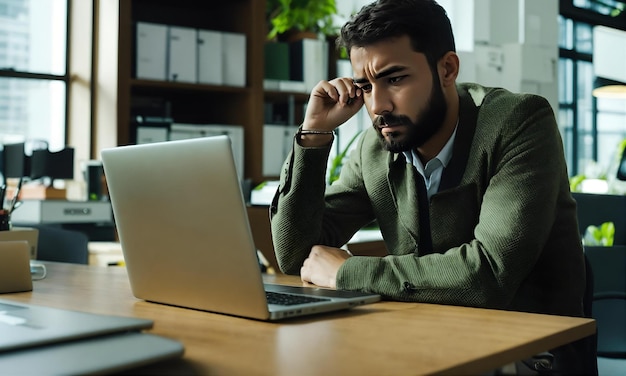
[[15, 273], [31, 235]]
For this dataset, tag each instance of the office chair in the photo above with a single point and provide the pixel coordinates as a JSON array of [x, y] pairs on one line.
[[589, 344], [585, 347], [609, 306], [61, 245]]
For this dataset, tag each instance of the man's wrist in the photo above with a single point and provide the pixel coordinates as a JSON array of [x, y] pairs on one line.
[[314, 137], [314, 131]]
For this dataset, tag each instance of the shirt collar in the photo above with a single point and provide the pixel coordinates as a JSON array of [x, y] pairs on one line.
[[444, 156]]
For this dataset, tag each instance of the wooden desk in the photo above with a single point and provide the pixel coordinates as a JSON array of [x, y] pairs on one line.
[[388, 338]]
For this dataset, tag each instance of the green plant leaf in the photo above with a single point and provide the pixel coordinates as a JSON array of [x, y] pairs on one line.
[[574, 182], [607, 229], [337, 162], [304, 15], [602, 235]]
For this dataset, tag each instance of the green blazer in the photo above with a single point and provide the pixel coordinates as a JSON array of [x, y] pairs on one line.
[[503, 223]]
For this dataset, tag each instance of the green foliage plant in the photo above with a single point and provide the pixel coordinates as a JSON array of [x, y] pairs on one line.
[[303, 15], [600, 236], [575, 182]]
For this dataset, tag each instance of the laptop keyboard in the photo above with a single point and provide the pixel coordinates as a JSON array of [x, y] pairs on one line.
[[290, 299]]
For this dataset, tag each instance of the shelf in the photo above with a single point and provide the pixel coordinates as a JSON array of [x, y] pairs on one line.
[[183, 86], [275, 95], [193, 103]]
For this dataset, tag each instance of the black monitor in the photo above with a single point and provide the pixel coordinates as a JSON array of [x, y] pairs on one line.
[[53, 165], [13, 161]]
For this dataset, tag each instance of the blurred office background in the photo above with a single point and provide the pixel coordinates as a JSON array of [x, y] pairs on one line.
[[46, 87]]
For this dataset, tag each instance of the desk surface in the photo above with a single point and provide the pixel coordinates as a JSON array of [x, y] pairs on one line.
[[383, 338]]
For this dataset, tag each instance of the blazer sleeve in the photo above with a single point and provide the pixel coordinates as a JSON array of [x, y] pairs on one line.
[[518, 162], [300, 212]]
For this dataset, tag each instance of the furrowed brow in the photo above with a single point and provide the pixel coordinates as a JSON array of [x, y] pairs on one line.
[[387, 72]]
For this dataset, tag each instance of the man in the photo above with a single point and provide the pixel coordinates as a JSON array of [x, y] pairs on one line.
[[468, 184]]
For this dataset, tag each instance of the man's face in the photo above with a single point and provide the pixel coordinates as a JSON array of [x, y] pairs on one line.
[[403, 97]]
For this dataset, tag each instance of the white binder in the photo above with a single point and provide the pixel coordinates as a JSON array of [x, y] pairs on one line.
[[210, 57], [277, 143], [182, 54], [180, 131], [151, 51], [234, 47]]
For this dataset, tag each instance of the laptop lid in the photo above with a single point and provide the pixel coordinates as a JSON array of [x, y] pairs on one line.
[[39, 340], [184, 230], [91, 356], [27, 325]]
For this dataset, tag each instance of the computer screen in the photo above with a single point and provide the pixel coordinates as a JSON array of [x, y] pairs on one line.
[[55, 165], [13, 160]]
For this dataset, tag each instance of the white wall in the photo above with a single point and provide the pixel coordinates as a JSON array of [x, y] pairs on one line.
[[515, 44], [505, 43]]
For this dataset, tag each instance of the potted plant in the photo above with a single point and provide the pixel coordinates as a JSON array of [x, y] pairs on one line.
[[288, 17], [600, 236]]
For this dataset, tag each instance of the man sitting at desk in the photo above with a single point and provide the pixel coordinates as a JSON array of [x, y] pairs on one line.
[[468, 183]]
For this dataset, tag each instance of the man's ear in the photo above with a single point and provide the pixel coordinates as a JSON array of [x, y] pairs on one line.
[[448, 68]]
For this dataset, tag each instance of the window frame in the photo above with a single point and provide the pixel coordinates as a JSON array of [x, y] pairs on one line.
[[65, 78], [568, 11]]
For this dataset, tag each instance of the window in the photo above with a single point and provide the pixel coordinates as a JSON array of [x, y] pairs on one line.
[[611, 8], [33, 71], [591, 128]]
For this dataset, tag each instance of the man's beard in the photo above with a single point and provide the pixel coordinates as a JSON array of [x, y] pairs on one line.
[[415, 134]]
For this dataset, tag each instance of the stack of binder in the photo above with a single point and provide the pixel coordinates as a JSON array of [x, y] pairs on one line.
[[182, 54]]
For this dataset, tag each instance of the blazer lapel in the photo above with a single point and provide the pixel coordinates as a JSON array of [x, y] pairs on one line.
[[403, 178], [403, 186], [468, 112]]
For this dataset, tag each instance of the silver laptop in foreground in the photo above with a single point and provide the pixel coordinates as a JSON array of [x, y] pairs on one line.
[[185, 235], [38, 340]]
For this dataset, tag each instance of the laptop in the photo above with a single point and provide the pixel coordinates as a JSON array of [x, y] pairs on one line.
[[185, 235], [38, 340]]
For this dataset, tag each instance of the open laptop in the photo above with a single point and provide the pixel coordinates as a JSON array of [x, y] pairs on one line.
[[38, 340], [185, 235]]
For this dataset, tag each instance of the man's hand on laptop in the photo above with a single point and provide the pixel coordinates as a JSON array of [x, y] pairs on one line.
[[321, 267]]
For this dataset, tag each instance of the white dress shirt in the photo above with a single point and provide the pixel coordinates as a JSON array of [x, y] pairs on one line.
[[434, 168]]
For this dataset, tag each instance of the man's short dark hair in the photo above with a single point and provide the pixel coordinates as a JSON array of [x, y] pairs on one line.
[[424, 21]]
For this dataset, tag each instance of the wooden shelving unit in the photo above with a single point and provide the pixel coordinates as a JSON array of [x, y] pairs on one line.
[[198, 103]]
